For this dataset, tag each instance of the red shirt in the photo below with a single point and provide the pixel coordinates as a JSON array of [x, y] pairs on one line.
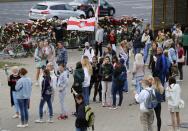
[[180, 52]]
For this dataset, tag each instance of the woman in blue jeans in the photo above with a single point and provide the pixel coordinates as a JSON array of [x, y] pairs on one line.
[[147, 41], [138, 71], [119, 76], [13, 78], [88, 71], [23, 93], [46, 94]]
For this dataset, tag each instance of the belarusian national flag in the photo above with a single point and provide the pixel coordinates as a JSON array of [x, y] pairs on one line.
[[81, 24]]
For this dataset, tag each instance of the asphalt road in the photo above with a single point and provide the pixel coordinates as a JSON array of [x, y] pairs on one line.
[[18, 11]]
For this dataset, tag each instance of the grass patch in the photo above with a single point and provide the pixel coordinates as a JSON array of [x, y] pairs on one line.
[[10, 64]]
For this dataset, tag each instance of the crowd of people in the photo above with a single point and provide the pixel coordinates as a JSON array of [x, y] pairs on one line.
[[106, 70]]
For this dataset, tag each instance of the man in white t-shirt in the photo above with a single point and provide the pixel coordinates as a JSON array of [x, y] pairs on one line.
[[88, 51]]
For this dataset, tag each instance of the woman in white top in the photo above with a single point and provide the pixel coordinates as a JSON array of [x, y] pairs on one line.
[[146, 115], [173, 92], [147, 41], [88, 71], [40, 60], [49, 50], [138, 71]]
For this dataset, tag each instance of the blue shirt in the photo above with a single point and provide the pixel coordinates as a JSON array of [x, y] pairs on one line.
[[23, 88]]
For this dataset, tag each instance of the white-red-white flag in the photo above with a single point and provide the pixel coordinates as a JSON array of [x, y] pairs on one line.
[[97, 11], [81, 24]]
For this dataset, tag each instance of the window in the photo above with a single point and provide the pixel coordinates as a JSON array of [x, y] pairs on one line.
[[103, 2], [58, 7], [68, 7], [40, 7]]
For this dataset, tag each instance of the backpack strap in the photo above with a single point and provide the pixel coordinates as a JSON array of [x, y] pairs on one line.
[[150, 92], [90, 50]]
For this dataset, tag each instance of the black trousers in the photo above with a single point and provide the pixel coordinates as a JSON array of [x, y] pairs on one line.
[[180, 68], [98, 48], [96, 86], [158, 116], [100, 91], [186, 54]]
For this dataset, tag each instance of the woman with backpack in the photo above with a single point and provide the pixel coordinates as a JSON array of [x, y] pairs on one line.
[[77, 84], [146, 115], [46, 94], [159, 90], [173, 95]]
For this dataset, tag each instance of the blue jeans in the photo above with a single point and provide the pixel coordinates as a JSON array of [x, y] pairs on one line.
[[16, 105], [162, 78], [23, 105], [86, 95], [146, 51], [81, 129], [127, 62], [47, 99], [138, 83], [125, 87], [116, 87], [136, 50]]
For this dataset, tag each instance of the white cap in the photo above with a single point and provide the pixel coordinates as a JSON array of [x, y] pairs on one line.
[[87, 44]]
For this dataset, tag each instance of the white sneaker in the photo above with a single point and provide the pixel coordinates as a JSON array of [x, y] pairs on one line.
[[21, 126], [39, 121], [15, 116], [26, 125], [50, 120], [113, 108], [37, 84]]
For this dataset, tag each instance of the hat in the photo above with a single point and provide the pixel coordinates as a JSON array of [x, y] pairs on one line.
[[87, 44]]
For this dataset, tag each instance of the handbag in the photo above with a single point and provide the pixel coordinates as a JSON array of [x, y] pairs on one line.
[[181, 104], [181, 60]]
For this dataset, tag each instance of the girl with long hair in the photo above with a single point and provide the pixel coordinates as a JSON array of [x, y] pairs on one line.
[[159, 90], [88, 71], [138, 71]]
